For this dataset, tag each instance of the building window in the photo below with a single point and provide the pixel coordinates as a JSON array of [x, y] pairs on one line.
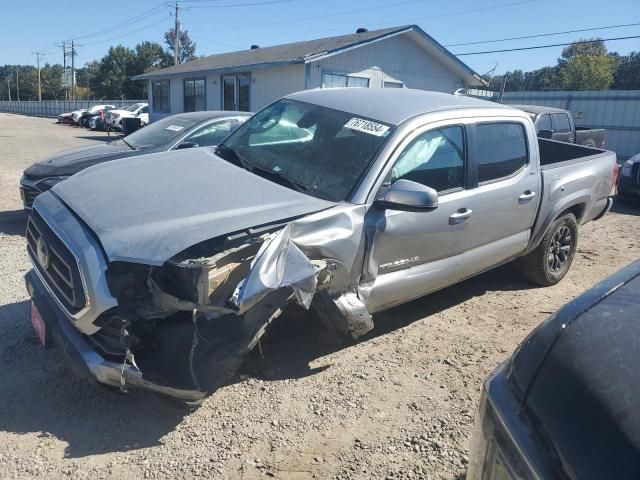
[[160, 96], [335, 80], [391, 84], [194, 95]]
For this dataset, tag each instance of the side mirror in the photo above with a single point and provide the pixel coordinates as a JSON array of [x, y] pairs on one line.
[[547, 134], [409, 196], [187, 145]]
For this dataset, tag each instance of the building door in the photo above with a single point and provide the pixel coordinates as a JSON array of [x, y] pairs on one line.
[[236, 92]]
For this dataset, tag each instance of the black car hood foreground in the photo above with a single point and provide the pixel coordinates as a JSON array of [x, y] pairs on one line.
[[70, 162], [149, 208], [579, 377]]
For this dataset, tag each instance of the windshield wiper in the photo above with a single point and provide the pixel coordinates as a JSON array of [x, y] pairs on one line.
[[230, 155], [280, 178], [127, 144]]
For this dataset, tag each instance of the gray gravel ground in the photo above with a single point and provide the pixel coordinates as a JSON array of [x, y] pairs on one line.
[[400, 404]]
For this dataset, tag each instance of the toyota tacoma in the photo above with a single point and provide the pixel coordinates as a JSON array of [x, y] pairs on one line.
[[164, 271]]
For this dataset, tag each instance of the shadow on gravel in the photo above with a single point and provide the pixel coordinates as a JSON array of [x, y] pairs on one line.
[[296, 340], [626, 206], [38, 395], [13, 222]]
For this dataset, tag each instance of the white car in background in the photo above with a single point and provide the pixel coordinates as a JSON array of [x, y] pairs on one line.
[[114, 117], [88, 113]]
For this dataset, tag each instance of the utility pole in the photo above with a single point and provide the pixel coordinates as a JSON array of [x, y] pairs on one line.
[[9, 86], [39, 84], [18, 83], [504, 84], [176, 40], [73, 72]]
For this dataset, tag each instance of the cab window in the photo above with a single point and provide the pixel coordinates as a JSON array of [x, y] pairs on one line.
[[544, 123], [212, 134], [501, 150], [562, 123], [435, 158]]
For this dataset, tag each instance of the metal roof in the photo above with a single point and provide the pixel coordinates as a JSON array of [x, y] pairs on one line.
[[301, 52], [389, 105]]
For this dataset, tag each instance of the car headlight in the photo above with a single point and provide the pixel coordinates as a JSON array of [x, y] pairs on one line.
[[626, 168], [115, 115], [51, 181]]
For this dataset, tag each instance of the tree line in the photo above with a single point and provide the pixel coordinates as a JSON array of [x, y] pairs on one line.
[[583, 65], [106, 79]]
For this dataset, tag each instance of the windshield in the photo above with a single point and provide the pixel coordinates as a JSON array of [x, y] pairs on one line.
[[318, 150], [160, 132]]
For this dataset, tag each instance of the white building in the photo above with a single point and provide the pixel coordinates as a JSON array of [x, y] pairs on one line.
[[251, 79]]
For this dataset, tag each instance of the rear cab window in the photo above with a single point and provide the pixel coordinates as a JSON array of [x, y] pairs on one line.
[[501, 150], [543, 123], [562, 124]]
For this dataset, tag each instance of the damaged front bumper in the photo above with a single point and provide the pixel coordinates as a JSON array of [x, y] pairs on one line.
[[80, 356]]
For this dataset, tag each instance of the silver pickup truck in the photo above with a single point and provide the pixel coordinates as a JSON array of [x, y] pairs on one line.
[[163, 271]]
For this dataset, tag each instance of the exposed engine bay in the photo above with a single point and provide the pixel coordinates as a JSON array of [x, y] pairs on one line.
[[189, 323]]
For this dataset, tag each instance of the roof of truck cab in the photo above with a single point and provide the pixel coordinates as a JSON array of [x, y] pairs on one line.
[[537, 109], [389, 105]]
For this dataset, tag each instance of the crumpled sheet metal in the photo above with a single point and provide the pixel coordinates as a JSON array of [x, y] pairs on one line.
[[286, 259]]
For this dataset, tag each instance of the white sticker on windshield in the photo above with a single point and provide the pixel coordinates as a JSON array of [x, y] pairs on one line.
[[367, 126], [174, 128]]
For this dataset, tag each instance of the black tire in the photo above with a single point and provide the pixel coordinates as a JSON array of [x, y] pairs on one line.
[[550, 261]]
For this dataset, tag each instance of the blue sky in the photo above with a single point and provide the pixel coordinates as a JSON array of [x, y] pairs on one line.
[[217, 27]]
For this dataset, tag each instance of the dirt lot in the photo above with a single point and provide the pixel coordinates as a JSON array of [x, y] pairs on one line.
[[399, 404]]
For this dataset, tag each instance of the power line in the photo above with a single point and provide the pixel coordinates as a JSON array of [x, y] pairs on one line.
[[126, 34], [547, 46], [542, 35], [254, 4], [380, 7], [127, 23]]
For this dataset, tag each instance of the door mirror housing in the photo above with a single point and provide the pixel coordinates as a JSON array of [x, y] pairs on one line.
[[187, 145], [547, 134], [405, 195]]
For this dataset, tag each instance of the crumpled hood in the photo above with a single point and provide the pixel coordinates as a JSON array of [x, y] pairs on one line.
[[148, 209], [70, 162]]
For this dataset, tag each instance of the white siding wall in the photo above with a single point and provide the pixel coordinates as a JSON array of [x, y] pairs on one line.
[[397, 59], [269, 84]]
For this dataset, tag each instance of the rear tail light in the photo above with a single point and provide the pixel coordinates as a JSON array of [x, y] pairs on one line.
[[616, 172]]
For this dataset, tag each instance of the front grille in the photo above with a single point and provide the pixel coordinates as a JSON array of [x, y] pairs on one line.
[[29, 194], [61, 273]]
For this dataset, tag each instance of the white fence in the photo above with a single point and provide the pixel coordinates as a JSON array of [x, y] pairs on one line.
[[53, 108], [617, 111]]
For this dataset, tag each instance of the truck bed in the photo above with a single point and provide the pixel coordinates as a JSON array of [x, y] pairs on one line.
[[574, 178]]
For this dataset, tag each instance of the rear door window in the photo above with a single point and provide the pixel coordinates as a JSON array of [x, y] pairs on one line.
[[501, 150], [562, 122], [544, 123]]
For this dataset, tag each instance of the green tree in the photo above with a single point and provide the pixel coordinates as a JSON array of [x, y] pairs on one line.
[[585, 65], [627, 73], [187, 46], [589, 46], [543, 79]]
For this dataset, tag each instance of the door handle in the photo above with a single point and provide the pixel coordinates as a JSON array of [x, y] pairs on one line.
[[460, 216], [528, 195]]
